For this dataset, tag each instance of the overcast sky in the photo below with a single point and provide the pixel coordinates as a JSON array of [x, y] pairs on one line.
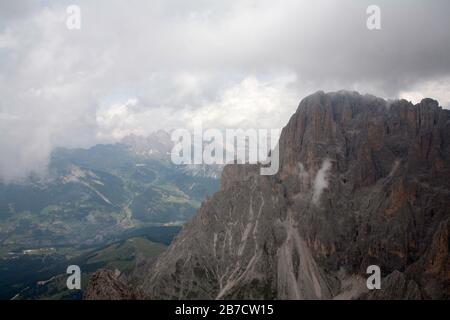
[[141, 65]]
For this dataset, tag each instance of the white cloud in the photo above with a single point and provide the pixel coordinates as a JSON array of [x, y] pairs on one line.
[[436, 89], [321, 181], [249, 104]]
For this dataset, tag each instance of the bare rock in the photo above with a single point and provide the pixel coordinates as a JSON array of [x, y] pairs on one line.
[[382, 197], [396, 287], [107, 285]]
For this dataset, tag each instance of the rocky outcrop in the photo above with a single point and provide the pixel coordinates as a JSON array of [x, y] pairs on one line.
[[396, 287], [107, 285], [362, 181]]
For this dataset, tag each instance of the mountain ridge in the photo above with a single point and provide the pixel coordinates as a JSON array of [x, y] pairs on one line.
[[381, 199]]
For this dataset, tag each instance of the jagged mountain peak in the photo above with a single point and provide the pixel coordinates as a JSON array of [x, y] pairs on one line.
[[363, 181]]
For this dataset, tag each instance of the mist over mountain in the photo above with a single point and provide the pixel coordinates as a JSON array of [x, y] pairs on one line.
[[363, 181], [135, 139], [111, 205], [90, 195], [133, 66]]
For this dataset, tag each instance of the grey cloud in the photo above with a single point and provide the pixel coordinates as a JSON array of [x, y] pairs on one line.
[[17, 9], [181, 59]]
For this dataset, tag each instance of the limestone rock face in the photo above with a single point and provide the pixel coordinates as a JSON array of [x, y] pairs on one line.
[[362, 181]]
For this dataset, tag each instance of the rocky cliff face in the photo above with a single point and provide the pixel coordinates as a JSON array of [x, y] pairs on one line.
[[362, 181]]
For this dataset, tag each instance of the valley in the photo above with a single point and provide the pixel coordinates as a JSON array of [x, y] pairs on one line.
[[40, 273], [91, 196], [108, 206]]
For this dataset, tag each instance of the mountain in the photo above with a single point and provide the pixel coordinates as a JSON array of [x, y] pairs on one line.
[[362, 181], [159, 146], [91, 196], [90, 199]]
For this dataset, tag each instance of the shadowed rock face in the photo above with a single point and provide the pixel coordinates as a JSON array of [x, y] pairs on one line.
[[362, 181]]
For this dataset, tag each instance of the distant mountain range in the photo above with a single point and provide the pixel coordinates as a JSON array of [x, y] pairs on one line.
[[91, 196]]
